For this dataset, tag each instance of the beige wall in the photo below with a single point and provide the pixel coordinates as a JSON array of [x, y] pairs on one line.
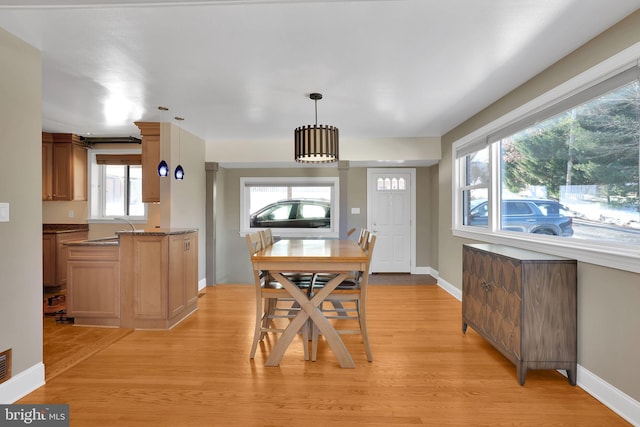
[[20, 186], [354, 150], [232, 260], [608, 315]]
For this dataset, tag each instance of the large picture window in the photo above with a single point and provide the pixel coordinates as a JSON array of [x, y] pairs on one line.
[[292, 207], [567, 176]]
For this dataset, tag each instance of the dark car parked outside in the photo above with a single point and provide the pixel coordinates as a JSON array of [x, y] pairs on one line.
[[293, 213], [538, 216]]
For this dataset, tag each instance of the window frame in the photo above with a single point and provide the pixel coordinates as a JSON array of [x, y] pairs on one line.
[[289, 233], [96, 177], [603, 253]]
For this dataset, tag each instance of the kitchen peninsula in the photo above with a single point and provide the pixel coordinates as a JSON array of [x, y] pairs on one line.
[[141, 279]]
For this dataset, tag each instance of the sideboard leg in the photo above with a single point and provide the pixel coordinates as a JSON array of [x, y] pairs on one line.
[[464, 328], [521, 371], [571, 375]]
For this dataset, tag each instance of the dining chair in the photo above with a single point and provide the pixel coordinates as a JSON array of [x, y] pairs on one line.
[[268, 293], [266, 236], [321, 278], [351, 290], [302, 280]]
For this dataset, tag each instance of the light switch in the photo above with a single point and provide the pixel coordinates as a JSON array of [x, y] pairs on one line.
[[4, 212], [355, 211]]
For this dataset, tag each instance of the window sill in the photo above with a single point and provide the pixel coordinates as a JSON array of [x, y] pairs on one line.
[[597, 253]]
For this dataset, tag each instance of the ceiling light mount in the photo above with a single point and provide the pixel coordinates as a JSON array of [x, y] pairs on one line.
[[316, 143]]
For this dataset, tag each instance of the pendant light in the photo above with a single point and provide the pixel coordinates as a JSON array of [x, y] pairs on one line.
[[317, 143], [163, 167], [179, 172]]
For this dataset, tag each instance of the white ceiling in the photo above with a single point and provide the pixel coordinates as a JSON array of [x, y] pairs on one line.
[[243, 69]]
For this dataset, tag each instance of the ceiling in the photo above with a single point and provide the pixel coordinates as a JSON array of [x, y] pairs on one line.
[[243, 69]]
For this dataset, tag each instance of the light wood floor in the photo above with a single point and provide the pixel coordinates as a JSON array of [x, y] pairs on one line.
[[425, 372]]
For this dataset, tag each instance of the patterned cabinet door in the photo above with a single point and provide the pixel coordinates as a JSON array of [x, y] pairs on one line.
[[504, 303], [475, 269]]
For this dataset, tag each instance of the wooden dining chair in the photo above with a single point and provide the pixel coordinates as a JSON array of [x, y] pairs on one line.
[[266, 236], [351, 290], [268, 293]]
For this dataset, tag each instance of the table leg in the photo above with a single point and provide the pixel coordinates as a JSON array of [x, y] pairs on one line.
[[310, 309], [292, 330]]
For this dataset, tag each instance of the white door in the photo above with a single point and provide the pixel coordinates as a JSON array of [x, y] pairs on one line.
[[390, 211]]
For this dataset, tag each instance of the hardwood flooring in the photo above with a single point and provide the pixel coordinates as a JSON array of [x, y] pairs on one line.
[[425, 372]]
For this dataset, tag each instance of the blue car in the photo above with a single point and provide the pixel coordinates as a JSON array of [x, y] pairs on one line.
[[539, 216]]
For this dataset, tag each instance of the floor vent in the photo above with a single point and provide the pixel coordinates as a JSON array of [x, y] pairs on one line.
[[5, 365]]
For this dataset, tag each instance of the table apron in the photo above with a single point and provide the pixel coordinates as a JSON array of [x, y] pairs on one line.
[[314, 267]]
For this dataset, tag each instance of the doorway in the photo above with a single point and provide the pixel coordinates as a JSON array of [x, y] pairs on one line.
[[391, 216]]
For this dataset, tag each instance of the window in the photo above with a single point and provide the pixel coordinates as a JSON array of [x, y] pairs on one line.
[[293, 207], [115, 185], [567, 175]]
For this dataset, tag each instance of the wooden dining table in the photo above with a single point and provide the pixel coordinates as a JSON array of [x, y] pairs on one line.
[[311, 256]]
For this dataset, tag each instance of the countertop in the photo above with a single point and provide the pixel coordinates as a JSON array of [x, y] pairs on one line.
[[63, 228], [107, 241], [156, 231], [115, 240]]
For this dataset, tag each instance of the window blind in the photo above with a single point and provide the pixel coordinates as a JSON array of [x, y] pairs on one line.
[[119, 159]]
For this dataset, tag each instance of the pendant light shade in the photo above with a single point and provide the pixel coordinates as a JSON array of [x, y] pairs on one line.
[[316, 143], [163, 168], [179, 174]]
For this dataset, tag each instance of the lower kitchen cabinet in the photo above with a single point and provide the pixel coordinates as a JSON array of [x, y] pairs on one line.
[[159, 275]]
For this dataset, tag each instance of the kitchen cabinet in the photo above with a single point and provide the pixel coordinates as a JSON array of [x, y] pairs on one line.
[[159, 277], [54, 255], [150, 132], [93, 289], [64, 167], [524, 303], [47, 166], [182, 269]]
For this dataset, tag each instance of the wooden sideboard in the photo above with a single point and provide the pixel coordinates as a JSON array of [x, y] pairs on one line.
[[524, 303]]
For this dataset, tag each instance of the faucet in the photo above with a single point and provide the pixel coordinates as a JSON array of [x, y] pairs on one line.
[[133, 228]]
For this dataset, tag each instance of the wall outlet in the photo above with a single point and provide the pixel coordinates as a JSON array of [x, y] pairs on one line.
[[71, 214], [355, 211]]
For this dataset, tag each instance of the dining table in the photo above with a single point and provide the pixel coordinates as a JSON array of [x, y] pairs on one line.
[[340, 257]]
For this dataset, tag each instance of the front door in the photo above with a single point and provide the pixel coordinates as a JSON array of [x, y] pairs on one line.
[[389, 213]]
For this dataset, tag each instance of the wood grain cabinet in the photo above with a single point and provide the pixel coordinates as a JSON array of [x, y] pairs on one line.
[[150, 132], [64, 167], [55, 256], [524, 303], [93, 292], [159, 278]]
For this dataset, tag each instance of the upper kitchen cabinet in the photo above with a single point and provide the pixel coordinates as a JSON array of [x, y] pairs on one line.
[[64, 167], [150, 132]]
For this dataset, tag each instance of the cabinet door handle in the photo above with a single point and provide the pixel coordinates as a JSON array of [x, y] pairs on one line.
[[486, 286]]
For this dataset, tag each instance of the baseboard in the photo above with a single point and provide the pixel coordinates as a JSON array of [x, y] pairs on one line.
[[614, 399], [202, 283], [22, 384], [455, 292]]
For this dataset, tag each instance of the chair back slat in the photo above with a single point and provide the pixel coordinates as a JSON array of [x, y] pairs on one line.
[[254, 242], [267, 237]]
